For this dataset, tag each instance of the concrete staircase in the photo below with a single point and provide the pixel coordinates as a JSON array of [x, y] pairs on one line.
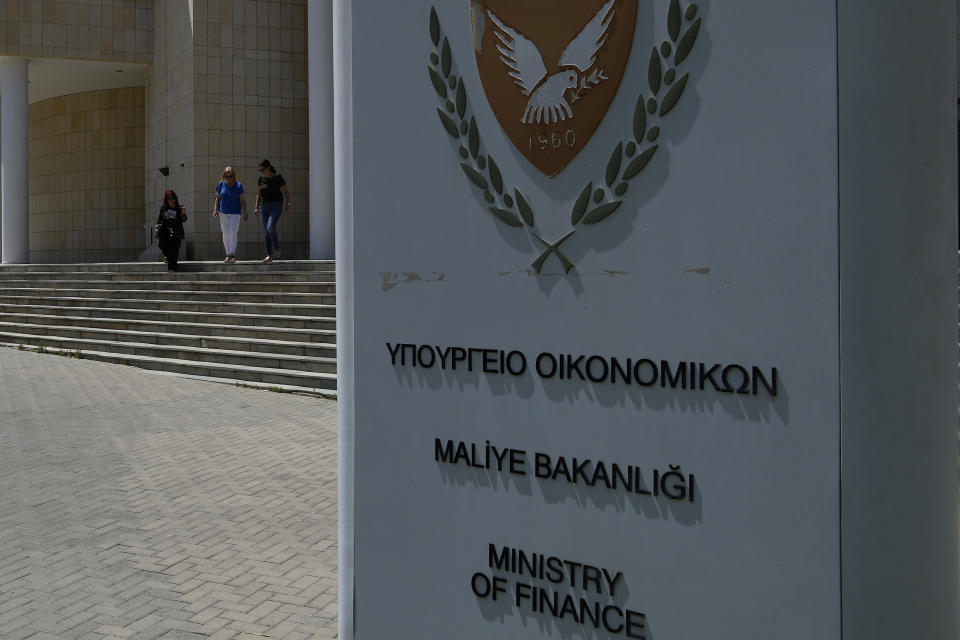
[[271, 326]]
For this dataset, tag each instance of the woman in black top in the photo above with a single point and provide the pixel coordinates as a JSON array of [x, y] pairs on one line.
[[273, 199], [169, 229]]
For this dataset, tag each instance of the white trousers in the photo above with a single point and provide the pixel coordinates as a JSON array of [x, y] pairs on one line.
[[229, 226]]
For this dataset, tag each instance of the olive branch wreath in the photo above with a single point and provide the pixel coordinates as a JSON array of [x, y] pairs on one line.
[[627, 160]]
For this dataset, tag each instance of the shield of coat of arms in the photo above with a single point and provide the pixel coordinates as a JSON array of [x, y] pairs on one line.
[[550, 69]]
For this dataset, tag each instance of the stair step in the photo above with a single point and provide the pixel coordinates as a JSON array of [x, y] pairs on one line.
[[330, 394], [205, 286], [267, 326], [256, 277], [244, 297], [304, 379], [243, 266], [319, 336], [226, 343], [321, 310], [259, 320], [272, 361]]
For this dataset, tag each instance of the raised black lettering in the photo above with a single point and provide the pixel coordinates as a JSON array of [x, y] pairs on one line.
[[654, 372], [600, 473], [574, 366], [393, 353], [526, 563], [612, 582], [616, 627], [625, 373], [499, 561], [581, 471], [541, 468], [674, 380], [490, 361], [554, 569], [636, 625], [591, 611], [550, 602], [604, 370], [518, 460], [514, 370], [499, 586], [552, 362], [443, 353], [473, 456], [619, 477], [523, 592], [470, 352], [744, 387], [759, 377], [707, 375], [591, 575], [480, 584], [501, 456], [442, 453], [420, 358]]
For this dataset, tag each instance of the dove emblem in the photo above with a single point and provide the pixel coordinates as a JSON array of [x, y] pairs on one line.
[[550, 70], [547, 91]]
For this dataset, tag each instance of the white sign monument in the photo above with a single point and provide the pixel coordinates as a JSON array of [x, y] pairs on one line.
[[647, 318]]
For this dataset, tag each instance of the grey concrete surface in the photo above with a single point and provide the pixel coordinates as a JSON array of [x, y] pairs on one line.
[[139, 505]]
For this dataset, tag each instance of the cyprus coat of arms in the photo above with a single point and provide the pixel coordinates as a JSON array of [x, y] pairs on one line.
[[550, 70]]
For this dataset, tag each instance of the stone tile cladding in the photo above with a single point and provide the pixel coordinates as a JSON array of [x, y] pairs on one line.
[[87, 177], [170, 135], [228, 86], [250, 102], [120, 30]]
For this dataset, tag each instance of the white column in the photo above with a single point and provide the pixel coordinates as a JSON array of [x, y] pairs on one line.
[[343, 149], [14, 160], [320, 69]]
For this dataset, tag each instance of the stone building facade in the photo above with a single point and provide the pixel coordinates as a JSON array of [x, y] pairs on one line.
[[87, 177], [118, 90], [230, 80]]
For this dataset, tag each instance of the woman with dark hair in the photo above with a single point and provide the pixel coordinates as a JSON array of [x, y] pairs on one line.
[[169, 229], [272, 191]]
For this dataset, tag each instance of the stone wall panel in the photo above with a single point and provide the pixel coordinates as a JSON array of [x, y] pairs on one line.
[[87, 177]]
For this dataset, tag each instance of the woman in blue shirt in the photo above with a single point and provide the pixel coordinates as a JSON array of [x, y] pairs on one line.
[[228, 206]]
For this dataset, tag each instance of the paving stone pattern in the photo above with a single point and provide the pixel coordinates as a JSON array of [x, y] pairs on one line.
[[140, 505]]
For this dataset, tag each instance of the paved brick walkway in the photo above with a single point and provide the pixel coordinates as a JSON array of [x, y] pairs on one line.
[[136, 505]]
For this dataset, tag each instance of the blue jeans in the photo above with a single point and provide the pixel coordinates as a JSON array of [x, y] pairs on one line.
[[270, 213]]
